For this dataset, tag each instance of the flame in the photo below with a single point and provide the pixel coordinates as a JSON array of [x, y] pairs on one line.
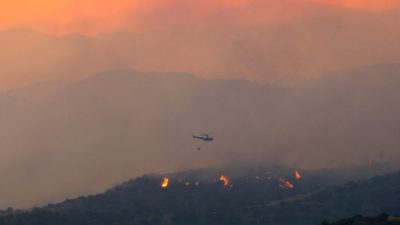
[[285, 184], [297, 175], [165, 182], [224, 180]]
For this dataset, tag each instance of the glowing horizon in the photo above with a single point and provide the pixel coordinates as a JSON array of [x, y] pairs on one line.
[[91, 17]]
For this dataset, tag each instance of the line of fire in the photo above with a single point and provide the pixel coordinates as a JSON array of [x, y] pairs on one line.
[[224, 180]]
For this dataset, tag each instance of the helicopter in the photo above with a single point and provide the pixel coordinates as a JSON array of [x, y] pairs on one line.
[[204, 137]]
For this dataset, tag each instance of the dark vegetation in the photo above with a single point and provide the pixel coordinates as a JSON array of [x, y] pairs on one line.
[[254, 195], [382, 219]]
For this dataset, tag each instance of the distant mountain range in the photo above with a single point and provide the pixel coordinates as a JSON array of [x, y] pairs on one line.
[[230, 195], [261, 51]]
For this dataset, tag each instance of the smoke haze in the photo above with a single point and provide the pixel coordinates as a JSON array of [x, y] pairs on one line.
[[315, 46], [61, 139]]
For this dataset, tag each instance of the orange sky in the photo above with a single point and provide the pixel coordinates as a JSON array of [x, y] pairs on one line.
[[374, 5], [93, 16]]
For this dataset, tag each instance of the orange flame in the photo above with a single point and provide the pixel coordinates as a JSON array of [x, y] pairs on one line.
[[297, 175], [224, 180], [285, 184], [165, 182]]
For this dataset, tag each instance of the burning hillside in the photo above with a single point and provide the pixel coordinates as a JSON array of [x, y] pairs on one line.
[[267, 178], [236, 195], [165, 182], [297, 175], [283, 183], [224, 180]]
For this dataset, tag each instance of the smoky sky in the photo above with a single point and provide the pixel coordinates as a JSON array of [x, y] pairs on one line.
[[312, 47], [96, 16]]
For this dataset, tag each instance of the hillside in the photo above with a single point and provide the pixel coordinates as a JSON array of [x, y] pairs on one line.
[[368, 197], [235, 195], [382, 219]]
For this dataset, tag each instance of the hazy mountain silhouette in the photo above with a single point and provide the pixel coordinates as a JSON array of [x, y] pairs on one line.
[[333, 39]]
